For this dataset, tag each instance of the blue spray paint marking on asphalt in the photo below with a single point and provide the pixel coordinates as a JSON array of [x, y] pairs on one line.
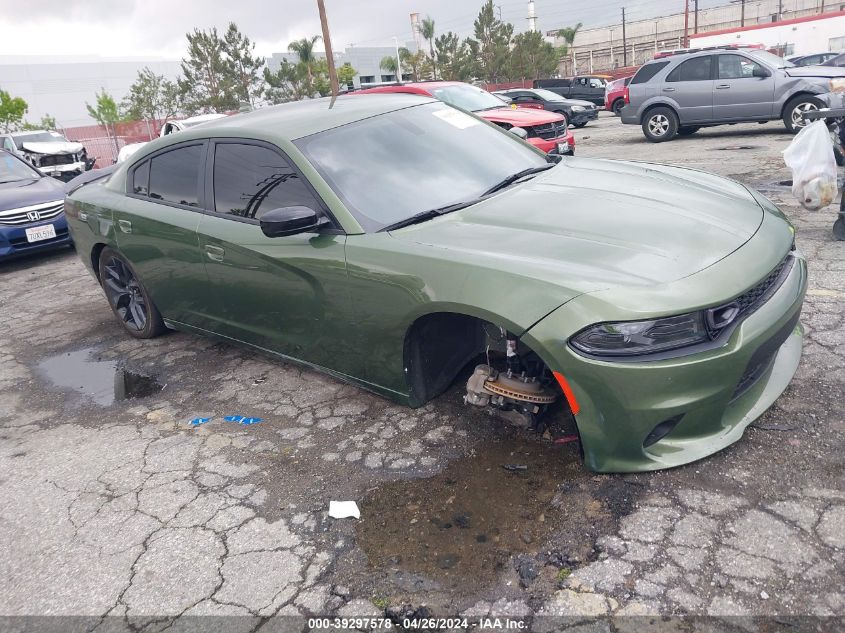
[[198, 421], [240, 419]]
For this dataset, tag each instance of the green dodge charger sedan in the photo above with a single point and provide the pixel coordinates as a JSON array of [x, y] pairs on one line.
[[393, 241]]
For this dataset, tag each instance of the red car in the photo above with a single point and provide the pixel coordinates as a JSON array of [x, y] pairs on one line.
[[614, 94], [547, 131]]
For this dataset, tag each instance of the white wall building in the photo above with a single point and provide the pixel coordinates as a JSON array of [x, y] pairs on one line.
[[60, 87]]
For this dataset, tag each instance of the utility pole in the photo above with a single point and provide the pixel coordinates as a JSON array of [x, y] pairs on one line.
[[624, 42], [398, 60], [327, 40], [742, 13], [686, 23], [780, 10], [695, 23]]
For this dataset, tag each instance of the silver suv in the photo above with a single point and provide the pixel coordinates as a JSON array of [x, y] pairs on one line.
[[679, 94]]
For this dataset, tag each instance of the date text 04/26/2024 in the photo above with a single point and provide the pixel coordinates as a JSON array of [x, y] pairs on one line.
[[427, 624]]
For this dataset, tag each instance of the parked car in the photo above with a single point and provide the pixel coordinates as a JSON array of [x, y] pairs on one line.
[[31, 209], [811, 60], [49, 151], [392, 240], [171, 127], [547, 131], [614, 94], [679, 94], [577, 112], [837, 60], [585, 87]]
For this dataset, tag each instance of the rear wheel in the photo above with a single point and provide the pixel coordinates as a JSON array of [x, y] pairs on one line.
[[688, 130], [839, 229], [793, 112], [127, 296], [660, 124], [617, 106]]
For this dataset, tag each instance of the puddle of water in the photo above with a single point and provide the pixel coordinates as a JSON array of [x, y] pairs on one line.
[[463, 527], [103, 381]]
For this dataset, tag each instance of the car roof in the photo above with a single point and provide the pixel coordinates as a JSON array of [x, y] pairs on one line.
[[29, 132]]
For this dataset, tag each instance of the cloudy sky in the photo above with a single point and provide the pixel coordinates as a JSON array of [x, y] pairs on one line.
[[128, 28]]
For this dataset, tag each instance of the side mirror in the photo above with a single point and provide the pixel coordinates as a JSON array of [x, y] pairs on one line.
[[760, 72], [520, 132], [290, 221]]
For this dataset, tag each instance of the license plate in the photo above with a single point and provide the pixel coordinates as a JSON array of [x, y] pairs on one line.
[[39, 233], [563, 147]]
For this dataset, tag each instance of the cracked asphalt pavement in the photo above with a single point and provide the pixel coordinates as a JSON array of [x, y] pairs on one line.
[[127, 509]]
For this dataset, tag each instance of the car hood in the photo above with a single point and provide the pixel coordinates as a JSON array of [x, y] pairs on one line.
[[24, 193], [519, 116], [655, 225], [53, 148], [815, 71]]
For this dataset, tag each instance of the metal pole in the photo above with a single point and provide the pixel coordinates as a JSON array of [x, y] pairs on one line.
[[624, 42], [695, 23], [742, 14], [780, 10], [327, 40], [398, 60], [686, 23]]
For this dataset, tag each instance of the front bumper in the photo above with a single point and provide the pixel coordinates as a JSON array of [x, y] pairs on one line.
[[564, 145], [577, 118], [716, 393], [64, 172], [13, 242]]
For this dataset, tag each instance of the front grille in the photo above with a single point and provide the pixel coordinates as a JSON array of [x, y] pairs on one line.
[[52, 160], [21, 242], [21, 216], [759, 294], [549, 130]]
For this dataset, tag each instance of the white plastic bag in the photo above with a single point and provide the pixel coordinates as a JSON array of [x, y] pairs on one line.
[[810, 157]]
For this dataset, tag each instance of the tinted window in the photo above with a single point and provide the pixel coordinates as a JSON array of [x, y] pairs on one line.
[[141, 179], [736, 67], [695, 69], [647, 72], [174, 175], [250, 180]]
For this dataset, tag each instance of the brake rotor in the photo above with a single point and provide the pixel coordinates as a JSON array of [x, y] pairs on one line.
[[517, 389]]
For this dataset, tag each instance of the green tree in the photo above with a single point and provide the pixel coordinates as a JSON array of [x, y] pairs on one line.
[[345, 74], [244, 66], [47, 122], [151, 97], [288, 83], [207, 83], [388, 64], [413, 62], [454, 57], [494, 39], [106, 113], [427, 31], [532, 57], [304, 49], [568, 35], [12, 110]]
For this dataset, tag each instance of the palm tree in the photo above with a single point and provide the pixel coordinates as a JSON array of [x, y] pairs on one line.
[[304, 48], [427, 31], [568, 34], [388, 64]]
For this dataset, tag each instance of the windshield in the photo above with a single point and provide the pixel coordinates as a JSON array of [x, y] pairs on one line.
[[548, 95], [467, 97], [12, 169], [390, 167], [770, 58], [39, 137]]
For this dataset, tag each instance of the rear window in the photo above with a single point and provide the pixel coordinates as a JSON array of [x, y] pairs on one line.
[[647, 72], [174, 176], [695, 69]]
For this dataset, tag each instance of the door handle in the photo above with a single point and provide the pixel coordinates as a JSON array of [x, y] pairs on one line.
[[215, 253], [668, 90], [125, 226], [722, 86]]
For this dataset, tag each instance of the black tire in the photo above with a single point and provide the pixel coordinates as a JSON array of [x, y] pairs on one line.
[[795, 107], [617, 106], [660, 124], [839, 229], [127, 296], [687, 130], [580, 125]]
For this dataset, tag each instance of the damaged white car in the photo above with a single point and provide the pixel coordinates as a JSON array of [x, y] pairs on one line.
[[50, 152]]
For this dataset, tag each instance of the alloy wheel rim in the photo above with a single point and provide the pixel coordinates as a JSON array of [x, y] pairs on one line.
[[798, 113], [658, 125], [124, 293]]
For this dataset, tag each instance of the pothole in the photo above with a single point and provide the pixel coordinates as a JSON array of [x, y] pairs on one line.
[[465, 527], [732, 148], [103, 381]]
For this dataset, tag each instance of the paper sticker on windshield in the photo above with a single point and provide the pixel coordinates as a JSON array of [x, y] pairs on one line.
[[455, 118]]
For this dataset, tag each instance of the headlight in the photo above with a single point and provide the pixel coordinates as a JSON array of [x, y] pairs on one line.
[[578, 108], [631, 338]]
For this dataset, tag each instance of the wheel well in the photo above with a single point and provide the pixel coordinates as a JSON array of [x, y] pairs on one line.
[[437, 347], [659, 105], [793, 97], [95, 259], [617, 100]]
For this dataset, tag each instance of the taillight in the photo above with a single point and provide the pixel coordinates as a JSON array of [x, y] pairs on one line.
[[627, 95]]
